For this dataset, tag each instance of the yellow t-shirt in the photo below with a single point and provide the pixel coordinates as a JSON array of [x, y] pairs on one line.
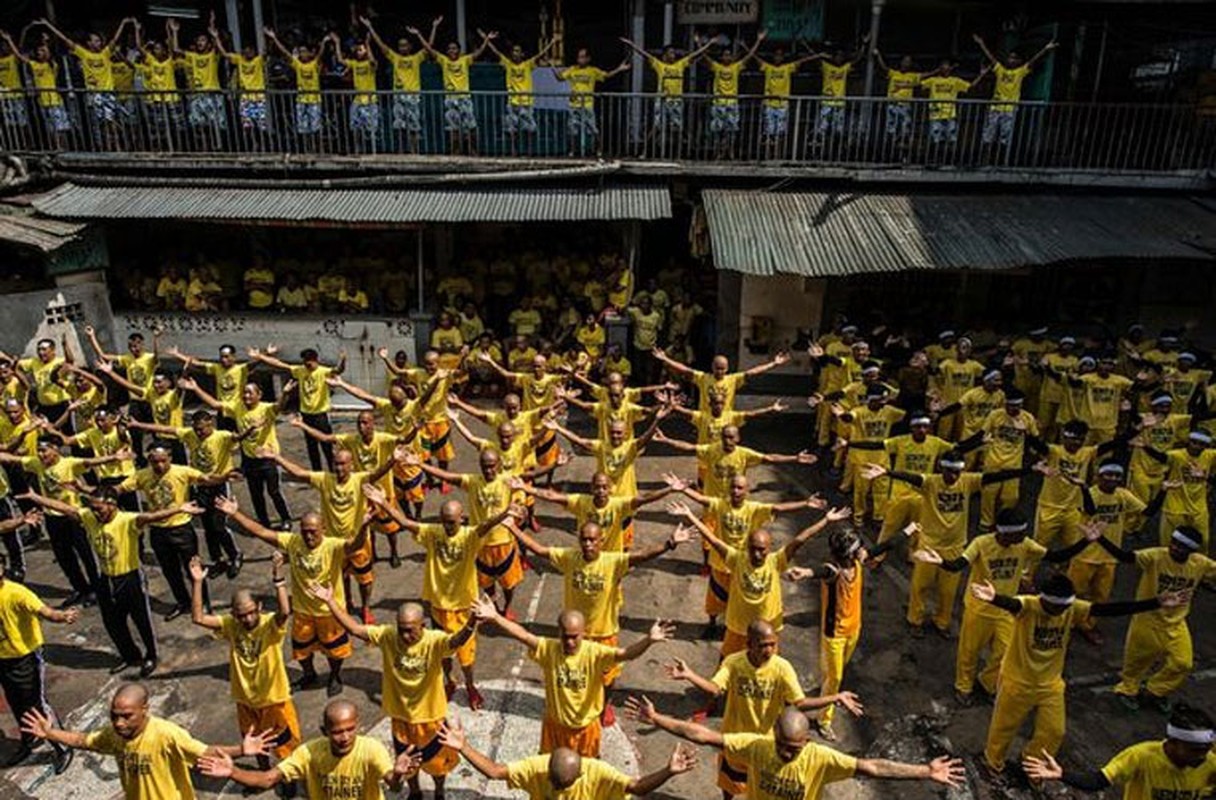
[[520, 360], [164, 491], [455, 72], [1103, 397], [370, 456], [954, 378], [1111, 510], [56, 479], [449, 339], [407, 76], [1159, 573], [835, 83], [166, 407], [944, 90], [46, 389], [618, 464], [229, 381], [259, 298], [1060, 366], [1193, 472], [524, 323], [363, 78], [44, 75], [976, 404], [646, 328], [770, 778], [721, 467], [908, 455], [435, 409], [777, 79], [155, 765], [358, 775], [733, 525], [342, 505], [538, 392], [107, 444], [322, 565], [670, 75], [116, 542], [255, 661], [755, 696], [727, 387], [263, 415], [211, 456], [873, 426], [596, 781], [1058, 493], [308, 80], [1146, 773], [95, 68], [449, 577], [1039, 643], [902, 85], [755, 592], [411, 685], [726, 82], [398, 421], [1004, 567], [10, 74], [1005, 439], [139, 370], [20, 628], [1008, 86], [943, 516], [592, 587], [488, 499], [519, 80], [582, 82], [160, 80], [612, 518], [591, 339], [605, 415], [709, 428], [202, 70], [314, 391], [251, 78], [124, 78], [574, 685]]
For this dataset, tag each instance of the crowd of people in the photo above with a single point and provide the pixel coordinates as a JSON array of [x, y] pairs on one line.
[[1120, 432], [134, 98]]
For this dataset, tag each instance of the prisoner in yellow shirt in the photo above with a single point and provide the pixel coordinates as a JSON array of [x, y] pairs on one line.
[[155, 765], [1110, 509], [256, 671], [721, 467], [777, 80], [628, 413], [322, 564], [1037, 648], [670, 74], [449, 575], [596, 781], [727, 387], [455, 72], [10, 74], [943, 518], [314, 391], [363, 78], [755, 696], [116, 542], [202, 70], [45, 75], [409, 685], [488, 499], [20, 629], [709, 428], [733, 524], [726, 82], [755, 592], [95, 68], [57, 480], [1057, 492], [592, 587], [1193, 472], [230, 381], [1103, 396], [212, 455], [902, 85], [251, 80], [1008, 89], [342, 504], [618, 464], [357, 775], [1005, 439], [769, 777], [166, 407], [519, 80], [944, 90], [47, 389], [1159, 573], [835, 83], [261, 416], [582, 81], [1004, 567], [407, 76], [164, 491], [1146, 773], [611, 518], [574, 684], [160, 81], [107, 444], [308, 80]]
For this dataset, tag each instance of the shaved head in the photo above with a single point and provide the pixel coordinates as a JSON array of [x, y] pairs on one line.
[[760, 538], [792, 725], [571, 619], [338, 711], [760, 629], [409, 612], [242, 597], [565, 766], [135, 694]]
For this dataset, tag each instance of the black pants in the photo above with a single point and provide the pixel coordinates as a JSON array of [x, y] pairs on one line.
[[13, 547], [316, 448], [121, 598], [262, 478], [24, 690], [224, 422], [174, 547], [56, 411], [221, 546], [141, 412], [71, 548]]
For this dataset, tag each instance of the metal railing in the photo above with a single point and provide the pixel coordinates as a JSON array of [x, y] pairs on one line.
[[812, 131]]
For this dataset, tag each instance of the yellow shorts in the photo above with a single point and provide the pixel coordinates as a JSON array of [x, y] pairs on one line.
[[359, 564], [310, 634], [280, 719], [499, 563], [613, 672], [409, 484], [547, 451], [436, 759], [585, 741], [732, 775], [451, 620], [437, 441]]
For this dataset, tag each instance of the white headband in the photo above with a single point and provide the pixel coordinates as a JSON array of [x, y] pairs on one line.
[[1012, 528], [953, 464], [1110, 469], [992, 373], [1199, 436], [1060, 601], [920, 421], [1182, 538], [1206, 736]]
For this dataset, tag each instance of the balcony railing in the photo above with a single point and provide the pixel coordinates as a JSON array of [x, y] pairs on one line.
[[805, 131]]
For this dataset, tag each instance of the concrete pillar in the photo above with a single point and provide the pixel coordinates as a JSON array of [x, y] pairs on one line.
[[258, 24], [876, 7], [460, 26], [233, 15], [638, 35]]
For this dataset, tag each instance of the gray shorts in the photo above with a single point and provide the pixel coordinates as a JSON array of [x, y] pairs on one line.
[[669, 113], [407, 112], [458, 114], [724, 118], [582, 122], [943, 130], [519, 118], [207, 110]]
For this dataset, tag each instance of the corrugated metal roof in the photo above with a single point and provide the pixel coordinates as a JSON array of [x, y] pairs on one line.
[[489, 204], [824, 234], [45, 234]]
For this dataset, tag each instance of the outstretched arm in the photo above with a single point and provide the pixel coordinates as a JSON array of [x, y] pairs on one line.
[[297, 421], [1037, 57], [228, 507], [352, 390], [452, 735], [190, 384], [979, 40], [198, 615], [672, 364], [486, 612], [46, 23], [274, 40], [644, 711], [804, 536], [682, 510], [326, 595]]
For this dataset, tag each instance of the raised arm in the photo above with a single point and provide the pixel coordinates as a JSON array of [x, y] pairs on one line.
[[326, 595], [46, 23], [107, 368], [486, 612], [375, 37], [274, 40], [51, 504], [470, 437], [586, 444], [189, 384], [642, 710], [198, 615], [682, 510], [672, 364], [294, 471], [428, 44], [677, 538], [452, 735], [219, 42], [486, 41], [625, 41], [297, 421], [352, 390], [1037, 57], [979, 40], [267, 356], [229, 508], [804, 536], [660, 631], [943, 770]]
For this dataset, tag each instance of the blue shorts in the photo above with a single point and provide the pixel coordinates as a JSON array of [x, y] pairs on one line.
[[458, 114], [103, 106], [56, 118], [407, 112], [12, 111], [365, 117], [519, 118], [669, 113], [207, 111], [775, 120], [724, 118], [253, 114], [582, 122], [308, 117]]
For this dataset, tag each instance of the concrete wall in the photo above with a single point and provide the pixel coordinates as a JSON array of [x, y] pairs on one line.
[[53, 314], [791, 302]]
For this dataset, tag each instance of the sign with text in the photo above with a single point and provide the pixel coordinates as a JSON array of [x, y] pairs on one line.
[[717, 12], [791, 20]]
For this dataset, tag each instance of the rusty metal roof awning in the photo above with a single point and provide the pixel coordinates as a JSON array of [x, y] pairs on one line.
[[481, 204], [820, 234], [21, 227]]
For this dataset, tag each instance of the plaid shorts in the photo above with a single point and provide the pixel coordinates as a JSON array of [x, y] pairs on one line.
[[669, 113], [724, 118], [253, 114], [12, 111], [458, 114], [775, 120], [998, 126], [365, 117], [103, 106], [407, 112], [899, 119], [308, 117], [582, 122], [943, 130], [831, 118], [56, 118], [519, 118], [207, 110]]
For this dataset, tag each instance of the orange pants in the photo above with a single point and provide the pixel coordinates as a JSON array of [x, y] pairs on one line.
[[451, 620], [732, 775], [585, 741], [613, 672], [499, 563], [717, 591], [547, 451], [409, 483], [437, 440], [436, 759], [279, 718], [359, 564], [310, 634]]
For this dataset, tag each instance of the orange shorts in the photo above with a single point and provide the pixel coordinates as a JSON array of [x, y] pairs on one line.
[[732, 776], [280, 719], [437, 441], [385, 524], [310, 634], [499, 563], [451, 620], [627, 534], [613, 672], [436, 759], [585, 741], [547, 450], [359, 564], [717, 591], [409, 483]]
